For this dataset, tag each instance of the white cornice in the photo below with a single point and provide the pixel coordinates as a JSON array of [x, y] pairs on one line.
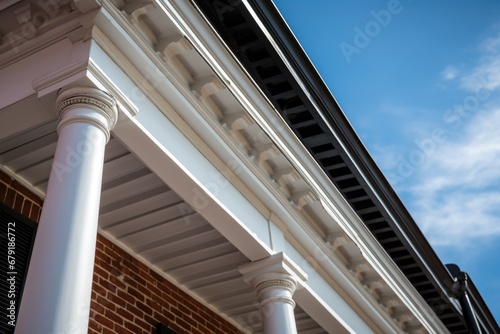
[[279, 132], [253, 101]]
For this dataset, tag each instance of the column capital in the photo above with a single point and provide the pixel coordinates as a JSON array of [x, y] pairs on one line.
[[275, 280], [273, 274], [275, 287], [276, 269], [74, 104]]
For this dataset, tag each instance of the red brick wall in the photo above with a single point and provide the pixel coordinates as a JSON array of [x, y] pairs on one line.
[[127, 297], [13, 194], [130, 298]]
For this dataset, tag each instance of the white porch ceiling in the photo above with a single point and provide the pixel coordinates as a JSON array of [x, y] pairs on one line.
[[154, 223]]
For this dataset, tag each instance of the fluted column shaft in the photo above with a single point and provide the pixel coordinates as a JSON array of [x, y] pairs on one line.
[[56, 297]]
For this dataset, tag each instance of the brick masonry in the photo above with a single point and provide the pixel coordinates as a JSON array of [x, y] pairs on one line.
[[16, 196], [127, 296], [130, 298]]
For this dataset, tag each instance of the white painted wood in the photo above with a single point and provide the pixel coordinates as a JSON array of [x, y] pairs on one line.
[[168, 228], [211, 249], [230, 262], [57, 291], [121, 165], [123, 214], [171, 245], [49, 60], [144, 220], [139, 185], [275, 280], [20, 117]]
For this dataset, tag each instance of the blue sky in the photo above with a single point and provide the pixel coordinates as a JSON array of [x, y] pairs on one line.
[[420, 83]]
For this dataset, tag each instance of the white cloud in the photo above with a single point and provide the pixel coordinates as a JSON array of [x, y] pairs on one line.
[[474, 161], [386, 155], [487, 74], [460, 220], [490, 44], [457, 192], [449, 73], [453, 189]]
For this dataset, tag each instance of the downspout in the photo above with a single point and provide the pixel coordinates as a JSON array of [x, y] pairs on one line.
[[459, 289]]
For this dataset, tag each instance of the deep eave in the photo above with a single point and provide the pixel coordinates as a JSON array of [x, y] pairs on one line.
[[280, 67]]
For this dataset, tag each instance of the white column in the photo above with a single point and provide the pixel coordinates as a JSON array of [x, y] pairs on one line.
[[275, 280], [57, 292]]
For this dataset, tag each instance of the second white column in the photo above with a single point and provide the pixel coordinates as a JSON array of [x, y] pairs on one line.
[[275, 293], [274, 280]]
